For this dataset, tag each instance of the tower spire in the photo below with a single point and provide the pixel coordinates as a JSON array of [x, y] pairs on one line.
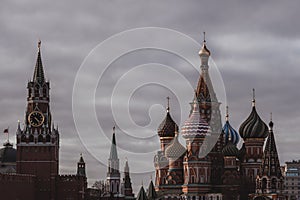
[[38, 75], [113, 173], [270, 166], [81, 166], [113, 148], [126, 188]]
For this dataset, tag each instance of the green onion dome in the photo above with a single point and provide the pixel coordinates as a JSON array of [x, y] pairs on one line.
[[230, 150]]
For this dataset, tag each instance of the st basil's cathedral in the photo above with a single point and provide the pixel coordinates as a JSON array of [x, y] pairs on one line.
[[210, 166]]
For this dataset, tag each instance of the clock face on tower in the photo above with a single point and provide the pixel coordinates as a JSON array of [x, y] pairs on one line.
[[36, 118]]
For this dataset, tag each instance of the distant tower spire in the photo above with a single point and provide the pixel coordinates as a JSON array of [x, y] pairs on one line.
[[81, 167], [204, 41], [113, 173], [113, 148], [126, 189]]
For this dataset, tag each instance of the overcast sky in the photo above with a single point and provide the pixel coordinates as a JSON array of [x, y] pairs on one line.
[[254, 44]]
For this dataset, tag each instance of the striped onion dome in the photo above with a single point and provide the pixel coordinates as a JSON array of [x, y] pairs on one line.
[[230, 134], [195, 125], [175, 149], [230, 150], [253, 126]]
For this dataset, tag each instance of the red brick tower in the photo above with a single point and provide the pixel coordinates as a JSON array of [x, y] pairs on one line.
[[38, 142]]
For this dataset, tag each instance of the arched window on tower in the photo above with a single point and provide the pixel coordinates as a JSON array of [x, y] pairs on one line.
[[23, 138], [40, 138], [36, 90], [48, 138], [31, 138], [44, 91]]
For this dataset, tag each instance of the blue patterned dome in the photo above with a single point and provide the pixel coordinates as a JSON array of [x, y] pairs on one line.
[[230, 134], [195, 125], [253, 126]]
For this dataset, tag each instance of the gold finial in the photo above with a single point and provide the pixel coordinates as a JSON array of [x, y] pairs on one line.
[[227, 114], [204, 37], [114, 130], [253, 97], [39, 44], [168, 104], [80, 154]]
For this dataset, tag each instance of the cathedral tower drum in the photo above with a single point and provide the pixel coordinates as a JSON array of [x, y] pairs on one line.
[[38, 142]]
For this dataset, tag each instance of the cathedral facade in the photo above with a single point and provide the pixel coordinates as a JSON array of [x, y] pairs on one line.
[[210, 166]]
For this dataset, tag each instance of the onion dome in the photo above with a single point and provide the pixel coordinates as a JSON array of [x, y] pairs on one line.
[[195, 125], [204, 50], [230, 150], [8, 154], [231, 135], [253, 126], [175, 149], [168, 127]]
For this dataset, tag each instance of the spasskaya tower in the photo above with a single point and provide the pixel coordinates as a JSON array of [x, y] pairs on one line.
[[38, 142]]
